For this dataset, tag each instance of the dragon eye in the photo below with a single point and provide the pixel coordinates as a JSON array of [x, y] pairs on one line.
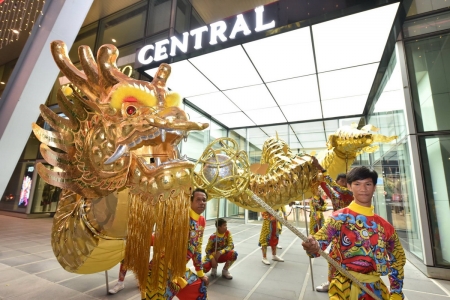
[[131, 110]]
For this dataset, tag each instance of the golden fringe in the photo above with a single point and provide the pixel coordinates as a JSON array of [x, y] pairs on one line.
[[170, 218]]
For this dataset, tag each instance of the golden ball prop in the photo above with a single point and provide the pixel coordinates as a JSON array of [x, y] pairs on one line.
[[223, 169]]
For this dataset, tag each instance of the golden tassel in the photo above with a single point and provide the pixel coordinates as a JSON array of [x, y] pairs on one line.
[[170, 218]]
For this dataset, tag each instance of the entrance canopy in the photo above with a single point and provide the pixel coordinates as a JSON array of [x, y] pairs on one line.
[[323, 71]]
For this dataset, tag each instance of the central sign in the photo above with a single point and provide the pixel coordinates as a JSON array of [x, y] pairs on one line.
[[161, 50]]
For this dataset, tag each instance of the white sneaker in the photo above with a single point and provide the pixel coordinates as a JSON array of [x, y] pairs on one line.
[[323, 287], [118, 287], [276, 258], [265, 261], [279, 247], [214, 272], [226, 274]]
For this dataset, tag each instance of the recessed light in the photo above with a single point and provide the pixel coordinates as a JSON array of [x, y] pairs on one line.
[[15, 31], [1, 82], [114, 40]]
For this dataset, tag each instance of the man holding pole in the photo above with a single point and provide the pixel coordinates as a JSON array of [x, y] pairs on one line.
[[363, 243]]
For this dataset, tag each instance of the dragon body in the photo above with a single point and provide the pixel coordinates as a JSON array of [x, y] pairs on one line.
[[115, 156]]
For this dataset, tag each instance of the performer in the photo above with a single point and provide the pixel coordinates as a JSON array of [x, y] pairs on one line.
[[363, 243], [220, 249], [270, 232], [193, 285], [316, 206], [340, 197]]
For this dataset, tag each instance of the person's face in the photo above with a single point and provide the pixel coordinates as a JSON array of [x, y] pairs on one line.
[[362, 191], [342, 182], [222, 229], [198, 204]]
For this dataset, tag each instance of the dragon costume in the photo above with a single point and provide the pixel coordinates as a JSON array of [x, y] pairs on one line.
[[116, 158]]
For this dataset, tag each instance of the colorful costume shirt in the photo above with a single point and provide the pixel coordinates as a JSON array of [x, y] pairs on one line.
[[197, 225], [270, 230], [340, 196], [317, 207], [368, 246], [225, 247]]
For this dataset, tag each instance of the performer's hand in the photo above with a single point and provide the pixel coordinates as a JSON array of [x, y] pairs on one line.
[[311, 246], [205, 280]]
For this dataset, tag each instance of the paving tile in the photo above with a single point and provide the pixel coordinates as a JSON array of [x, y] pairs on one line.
[[22, 260], [422, 286], [414, 295], [259, 296], [25, 284], [57, 275], [11, 253], [40, 266], [49, 292], [85, 282]]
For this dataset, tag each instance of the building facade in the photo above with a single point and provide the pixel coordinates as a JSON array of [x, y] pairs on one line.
[[405, 94]]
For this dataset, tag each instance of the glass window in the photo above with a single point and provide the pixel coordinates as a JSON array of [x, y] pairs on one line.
[[17, 193], [182, 18], [5, 72], [196, 20], [125, 27], [197, 140], [435, 152], [429, 72], [395, 199], [86, 36], [436, 22], [46, 196], [158, 16], [127, 57], [422, 6]]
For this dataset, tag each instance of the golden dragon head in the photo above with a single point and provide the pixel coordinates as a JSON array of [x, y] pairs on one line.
[[119, 132]]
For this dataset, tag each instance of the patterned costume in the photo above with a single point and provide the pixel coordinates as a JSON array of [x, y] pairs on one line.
[[226, 248], [191, 286], [317, 207], [270, 230], [340, 196], [368, 246]]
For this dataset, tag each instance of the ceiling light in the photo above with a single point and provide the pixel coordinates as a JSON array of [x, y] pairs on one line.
[[177, 80], [340, 44], [233, 120], [295, 45], [302, 111], [344, 106], [296, 90], [214, 103], [316, 126], [114, 40], [15, 31], [227, 69], [265, 116], [1, 82], [251, 97], [347, 82]]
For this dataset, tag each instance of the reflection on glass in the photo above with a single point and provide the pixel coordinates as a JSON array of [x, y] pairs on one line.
[[124, 28], [86, 36], [436, 165], [429, 72], [423, 6], [159, 16], [395, 198]]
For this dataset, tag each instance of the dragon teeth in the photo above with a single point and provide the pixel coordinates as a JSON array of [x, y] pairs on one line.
[[163, 135], [120, 151]]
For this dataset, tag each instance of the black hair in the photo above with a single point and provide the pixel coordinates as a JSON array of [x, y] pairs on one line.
[[361, 173], [198, 190], [341, 175], [220, 222]]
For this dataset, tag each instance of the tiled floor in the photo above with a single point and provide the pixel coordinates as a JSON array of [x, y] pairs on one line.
[[28, 270]]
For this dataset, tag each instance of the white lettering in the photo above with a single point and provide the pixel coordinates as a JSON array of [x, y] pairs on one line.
[[259, 20], [217, 31], [161, 50], [175, 43], [198, 36], [240, 25], [141, 55]]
